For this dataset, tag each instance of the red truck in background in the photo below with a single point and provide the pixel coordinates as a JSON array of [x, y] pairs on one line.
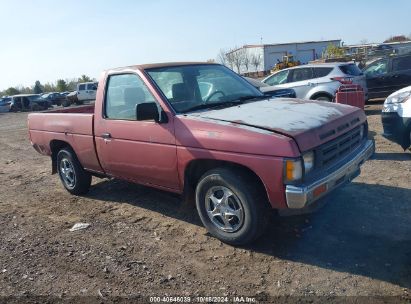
[[201, 130]]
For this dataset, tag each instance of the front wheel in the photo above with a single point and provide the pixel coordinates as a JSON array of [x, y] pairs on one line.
[[232, 206], [74, 178]]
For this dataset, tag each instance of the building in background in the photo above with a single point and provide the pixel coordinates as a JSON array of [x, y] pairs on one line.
[[400, 48], [270, 54]]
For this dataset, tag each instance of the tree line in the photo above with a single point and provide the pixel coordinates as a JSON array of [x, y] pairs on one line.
[[399, 38], [61, 85], [239, 57]]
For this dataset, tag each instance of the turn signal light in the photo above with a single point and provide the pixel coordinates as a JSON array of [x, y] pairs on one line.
[[293, 170], [320, 190]]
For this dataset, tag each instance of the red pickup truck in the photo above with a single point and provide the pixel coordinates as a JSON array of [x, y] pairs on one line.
[[201, 130]]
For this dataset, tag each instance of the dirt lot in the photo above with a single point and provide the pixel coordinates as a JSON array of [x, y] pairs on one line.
[[144, 242]]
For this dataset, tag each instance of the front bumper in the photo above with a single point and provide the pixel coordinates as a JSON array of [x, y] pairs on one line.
[[300, 196], [395, 128]]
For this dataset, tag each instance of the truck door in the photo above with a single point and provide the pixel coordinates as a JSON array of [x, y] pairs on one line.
[[379, 81], [140, 151], [301, 80], [91, 91], [81, 92], [401, 72]]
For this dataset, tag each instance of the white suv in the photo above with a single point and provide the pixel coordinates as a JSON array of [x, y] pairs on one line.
[[317, 81], [86, 91]]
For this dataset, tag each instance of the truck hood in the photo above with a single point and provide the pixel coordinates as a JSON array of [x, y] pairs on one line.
[[309, 123]]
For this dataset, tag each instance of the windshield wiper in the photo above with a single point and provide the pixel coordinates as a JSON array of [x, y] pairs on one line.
[[230, 103], [251, 97]]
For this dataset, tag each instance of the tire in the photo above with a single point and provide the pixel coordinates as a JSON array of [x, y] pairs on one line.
[[407, 139], [74, 178], [35, 107], [245, 201], [323, 98], [65, 103]]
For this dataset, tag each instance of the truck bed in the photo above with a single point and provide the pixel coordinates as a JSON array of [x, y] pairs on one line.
[[78, 109], [73, 126]]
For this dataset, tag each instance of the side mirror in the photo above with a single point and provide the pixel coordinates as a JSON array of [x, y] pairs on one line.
[[149, 111]]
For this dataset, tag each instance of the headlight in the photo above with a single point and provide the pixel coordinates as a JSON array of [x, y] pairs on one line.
[[361, 131], [398, 98], [293, 170], [308, 161]]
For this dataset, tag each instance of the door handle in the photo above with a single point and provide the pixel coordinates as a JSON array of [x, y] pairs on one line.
[[106, 135]]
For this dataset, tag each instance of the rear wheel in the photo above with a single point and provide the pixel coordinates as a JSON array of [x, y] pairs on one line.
[[35, 107], [65, 103], [74, 178], [232, 206], [323, 98]]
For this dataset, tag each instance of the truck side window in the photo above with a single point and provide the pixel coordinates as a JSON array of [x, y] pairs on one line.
[[301, 74], [377, 68], [91, 87], [401, 63], [279, 78], [322, 72], [123, 94], [81, 87]]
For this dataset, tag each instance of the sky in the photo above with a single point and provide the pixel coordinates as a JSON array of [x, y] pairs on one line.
[[48, 40]]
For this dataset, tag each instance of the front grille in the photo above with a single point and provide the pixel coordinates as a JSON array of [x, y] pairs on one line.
[[335, 149]]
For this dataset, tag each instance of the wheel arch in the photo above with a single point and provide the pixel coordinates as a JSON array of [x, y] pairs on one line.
[[196, 168], [55, 146], [321, 93]]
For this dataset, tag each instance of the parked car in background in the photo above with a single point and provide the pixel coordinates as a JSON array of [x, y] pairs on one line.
[[396, 117], [72, 98], [28, 102], [387, 75], [381, 50], [86, 91], [271, 91], [54, 98], [317, 81], [5, 104], [239, 153]]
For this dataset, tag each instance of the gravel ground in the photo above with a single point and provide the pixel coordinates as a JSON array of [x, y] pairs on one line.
[[143, 242]]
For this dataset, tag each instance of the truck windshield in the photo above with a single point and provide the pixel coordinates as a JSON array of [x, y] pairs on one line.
[[193, 87]]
